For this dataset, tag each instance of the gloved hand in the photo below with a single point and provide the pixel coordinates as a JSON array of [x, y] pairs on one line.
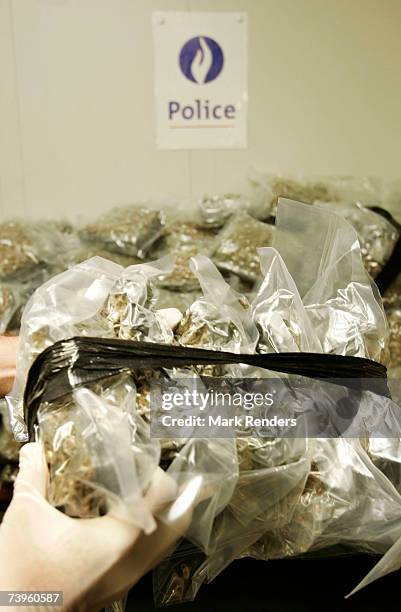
[[93, 561], [8, 355]]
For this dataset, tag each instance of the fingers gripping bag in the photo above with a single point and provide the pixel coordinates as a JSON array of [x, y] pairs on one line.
[[96, 439], [98, 457], [90, 450]]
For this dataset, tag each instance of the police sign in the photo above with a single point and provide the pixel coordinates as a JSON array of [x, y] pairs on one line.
[[201, 95]]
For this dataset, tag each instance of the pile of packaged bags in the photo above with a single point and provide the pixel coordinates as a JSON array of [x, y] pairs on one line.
[[94, 338]]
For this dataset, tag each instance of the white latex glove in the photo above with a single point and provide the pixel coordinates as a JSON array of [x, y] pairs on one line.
[[93, 561]]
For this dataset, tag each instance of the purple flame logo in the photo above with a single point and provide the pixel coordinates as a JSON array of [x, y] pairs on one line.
[[201, 59]]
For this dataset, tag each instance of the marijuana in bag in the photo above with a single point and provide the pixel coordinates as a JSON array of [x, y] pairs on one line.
[[130, 230], [217, 209], [238, 243], [183, 240]]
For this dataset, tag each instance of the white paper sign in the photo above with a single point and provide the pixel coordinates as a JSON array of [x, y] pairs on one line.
[[201, 94]]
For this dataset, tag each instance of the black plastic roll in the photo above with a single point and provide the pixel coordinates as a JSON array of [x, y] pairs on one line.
[[75, 362]]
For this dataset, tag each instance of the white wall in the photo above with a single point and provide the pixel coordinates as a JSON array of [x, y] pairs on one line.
[[77, 115]]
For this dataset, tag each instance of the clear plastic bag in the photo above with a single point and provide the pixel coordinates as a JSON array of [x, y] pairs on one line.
[[95, 298], [268, 188], [265, 498], [90, 446], [345, 500], [30, 253], [25, 246], [215, 210], [130, 230], [182, 240], [221, 320], [214, 463], [264, 495], [342, 303], [237, 246], [334, 492], [278, 311], [130, 306], [377, 236], [176, 299], [14, 296], [386, 453]]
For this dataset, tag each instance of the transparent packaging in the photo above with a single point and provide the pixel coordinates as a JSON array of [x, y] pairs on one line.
[[221, 319], [182, 240], [330, 492], [26, 246], [215, 210], [238, 243], [30, 253], [278, 311], [14, 296], [176, 299], [94, 298], [88, 446], [343, 304], [377, 235], [129, 230], [268, 188]]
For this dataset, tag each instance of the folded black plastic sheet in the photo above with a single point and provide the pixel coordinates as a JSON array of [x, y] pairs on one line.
[[78, 361], [392, 267]]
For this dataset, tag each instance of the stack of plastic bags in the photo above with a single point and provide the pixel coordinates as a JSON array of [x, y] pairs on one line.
[[93, 342], [30, 253], [362, 201], [227, 228]]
